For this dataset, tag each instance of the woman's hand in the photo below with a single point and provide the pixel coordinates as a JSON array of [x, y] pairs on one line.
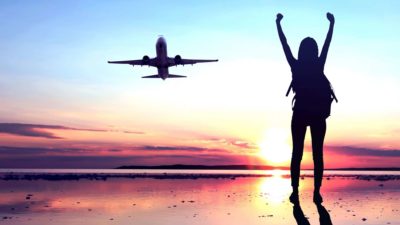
[[279, 17], [330, 17]]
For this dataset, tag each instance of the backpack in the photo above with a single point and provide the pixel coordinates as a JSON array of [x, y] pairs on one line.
[[313, 95]]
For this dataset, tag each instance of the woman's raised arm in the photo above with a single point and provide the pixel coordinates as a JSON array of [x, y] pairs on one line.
[[325, 48], [286, 48]]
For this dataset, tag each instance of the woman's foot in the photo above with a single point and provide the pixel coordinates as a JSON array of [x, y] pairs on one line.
[[317, 198], [294, 198]]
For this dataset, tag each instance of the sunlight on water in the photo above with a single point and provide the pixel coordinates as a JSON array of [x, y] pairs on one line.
[[276, 187], [211, 201]]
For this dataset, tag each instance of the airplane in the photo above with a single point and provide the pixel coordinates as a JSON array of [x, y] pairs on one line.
[[162, 61]]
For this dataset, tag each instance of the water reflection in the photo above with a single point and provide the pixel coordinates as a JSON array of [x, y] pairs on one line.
[[255, 201], [276, 187], [324, 217], [299, 215], [301, 219]]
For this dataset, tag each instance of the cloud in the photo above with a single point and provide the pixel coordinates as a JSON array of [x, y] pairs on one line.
[[94, 161], [359, 151], [131, 132], [229, 142], [20, 151], [30, 130], [43, 157], [243, 144], [114, 156], [170, 148], [115, 150], [38, 130]]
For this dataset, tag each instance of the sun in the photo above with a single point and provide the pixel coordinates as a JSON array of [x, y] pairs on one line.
[[275, 148]]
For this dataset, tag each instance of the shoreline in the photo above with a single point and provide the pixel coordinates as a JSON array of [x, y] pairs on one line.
[[247, 167], [104, 176]]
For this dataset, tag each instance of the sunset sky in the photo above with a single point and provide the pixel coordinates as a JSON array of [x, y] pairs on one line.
[[63, 106]]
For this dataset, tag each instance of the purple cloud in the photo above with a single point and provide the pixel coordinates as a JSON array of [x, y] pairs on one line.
[[94, 161], [357, 151], [37, 130], [229, 142], [36, 151], [171, 148], [194, 149]]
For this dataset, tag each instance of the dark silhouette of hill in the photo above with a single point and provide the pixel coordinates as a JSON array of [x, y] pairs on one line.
[[369, 169], [242, 167], [206, 167]]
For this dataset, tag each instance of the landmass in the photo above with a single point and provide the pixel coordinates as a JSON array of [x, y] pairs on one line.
[[245, 167]]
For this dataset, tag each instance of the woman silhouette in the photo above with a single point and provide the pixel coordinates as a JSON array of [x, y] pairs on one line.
[[310, 108]]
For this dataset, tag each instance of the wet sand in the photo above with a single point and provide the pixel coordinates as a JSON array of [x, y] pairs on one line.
[[167, 199]]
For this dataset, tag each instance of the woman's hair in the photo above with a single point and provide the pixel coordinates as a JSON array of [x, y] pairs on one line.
[[308, 50]]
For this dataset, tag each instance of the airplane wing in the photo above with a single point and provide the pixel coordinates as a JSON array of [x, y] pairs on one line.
[[175, 76], [152, 76], [137, 62], [169, 76], [179, 61]]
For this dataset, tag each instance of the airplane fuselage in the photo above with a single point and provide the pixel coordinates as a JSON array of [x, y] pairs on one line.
[[162, 62], [162, 58]]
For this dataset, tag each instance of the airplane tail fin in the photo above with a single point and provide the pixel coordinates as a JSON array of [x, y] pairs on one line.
[[152, 76], [175, 76]]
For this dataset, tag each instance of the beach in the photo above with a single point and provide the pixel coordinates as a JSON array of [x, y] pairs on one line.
[[204, 198]]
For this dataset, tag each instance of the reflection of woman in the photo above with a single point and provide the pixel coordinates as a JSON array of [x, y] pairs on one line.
[[311, 107], [301, 219], [299, 215]]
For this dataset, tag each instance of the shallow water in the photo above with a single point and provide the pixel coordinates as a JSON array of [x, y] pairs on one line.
[[172, 171], [244, 200]]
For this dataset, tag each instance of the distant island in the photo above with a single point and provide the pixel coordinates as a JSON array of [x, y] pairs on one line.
[[205, 167], [243, 167]]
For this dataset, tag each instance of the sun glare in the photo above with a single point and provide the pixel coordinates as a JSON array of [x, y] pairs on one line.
[[276, 187], [275, 148]]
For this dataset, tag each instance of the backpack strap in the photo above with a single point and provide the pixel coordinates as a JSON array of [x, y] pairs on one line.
[[333, 93], [290, 88], [293, 101]]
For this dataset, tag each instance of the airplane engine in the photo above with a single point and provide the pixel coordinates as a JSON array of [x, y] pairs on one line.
[[146, 59], [178, 59]]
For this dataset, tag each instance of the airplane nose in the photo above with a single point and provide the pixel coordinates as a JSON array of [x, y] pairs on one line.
[[161, 39]]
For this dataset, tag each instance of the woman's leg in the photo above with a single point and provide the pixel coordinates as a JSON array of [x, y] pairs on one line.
[[318, 130], [299, 128]]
